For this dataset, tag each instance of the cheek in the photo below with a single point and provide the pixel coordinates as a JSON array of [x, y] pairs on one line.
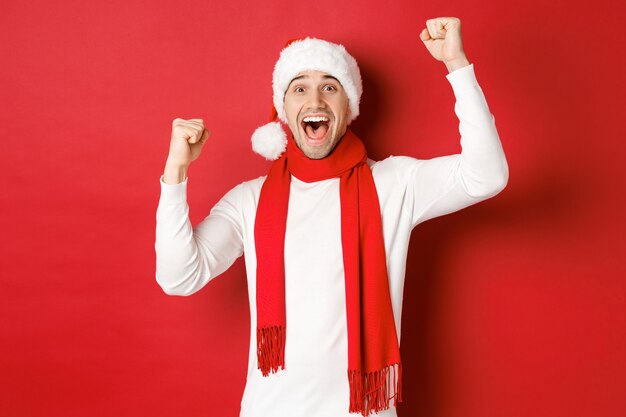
[[343, 108], [291, 110], [290, 113]]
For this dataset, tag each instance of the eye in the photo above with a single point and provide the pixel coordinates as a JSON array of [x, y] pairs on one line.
[[298, 89], [329, 87]]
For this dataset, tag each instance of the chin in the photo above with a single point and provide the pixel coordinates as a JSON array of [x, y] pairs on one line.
[[319, 153]]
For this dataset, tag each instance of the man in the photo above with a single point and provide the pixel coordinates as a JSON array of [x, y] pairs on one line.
[[325, 233]]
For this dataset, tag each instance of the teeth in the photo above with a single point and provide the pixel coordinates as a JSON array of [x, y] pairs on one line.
[[315, 119]]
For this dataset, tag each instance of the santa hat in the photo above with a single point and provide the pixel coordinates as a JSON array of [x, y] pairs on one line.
[[308, 54]]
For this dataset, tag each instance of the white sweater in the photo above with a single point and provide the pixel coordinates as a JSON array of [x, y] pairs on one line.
[[314, 382]]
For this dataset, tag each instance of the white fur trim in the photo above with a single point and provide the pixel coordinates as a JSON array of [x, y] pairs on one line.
[[312, 54], [269, 141]]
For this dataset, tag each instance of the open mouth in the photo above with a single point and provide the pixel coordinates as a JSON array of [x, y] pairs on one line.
[[316, 127]]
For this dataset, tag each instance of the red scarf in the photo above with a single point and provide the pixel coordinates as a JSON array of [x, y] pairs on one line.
[[373, 351]]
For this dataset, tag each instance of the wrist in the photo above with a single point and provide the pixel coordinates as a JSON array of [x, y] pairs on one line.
[[174, 172], [457, 63]]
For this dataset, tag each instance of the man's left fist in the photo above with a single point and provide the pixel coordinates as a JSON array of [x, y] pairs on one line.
[[442, 38]]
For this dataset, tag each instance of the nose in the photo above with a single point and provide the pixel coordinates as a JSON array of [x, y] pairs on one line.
[[316, 100]]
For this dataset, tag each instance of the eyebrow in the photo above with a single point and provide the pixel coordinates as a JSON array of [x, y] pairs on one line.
[[326, 77]]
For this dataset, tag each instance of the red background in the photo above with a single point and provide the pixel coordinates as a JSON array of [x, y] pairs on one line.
[[512, 307]]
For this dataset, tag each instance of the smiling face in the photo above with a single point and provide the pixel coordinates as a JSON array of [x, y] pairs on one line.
[[317, 110]]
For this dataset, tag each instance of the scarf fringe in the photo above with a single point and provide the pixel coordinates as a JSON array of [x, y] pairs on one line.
[[370, 392], [270, 348]]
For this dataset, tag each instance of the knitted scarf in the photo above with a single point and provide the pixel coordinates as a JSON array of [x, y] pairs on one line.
[[373, 351]]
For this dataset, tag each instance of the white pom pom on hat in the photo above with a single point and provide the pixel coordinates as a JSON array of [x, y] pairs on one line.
[[269, 140], [308, 54]]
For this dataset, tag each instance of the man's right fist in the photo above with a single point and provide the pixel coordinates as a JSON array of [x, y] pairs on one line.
[[188, 137]]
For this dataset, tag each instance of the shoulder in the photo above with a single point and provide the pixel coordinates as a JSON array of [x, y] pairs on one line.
[[394, 165], [243, 190], [247, 192], [252, 185], [394, 174], [240, 200]]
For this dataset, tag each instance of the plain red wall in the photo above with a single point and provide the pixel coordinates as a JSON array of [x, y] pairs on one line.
[[513, 307]]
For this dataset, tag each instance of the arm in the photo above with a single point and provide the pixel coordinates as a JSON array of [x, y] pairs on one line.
[[446, 184], [188, 258], [449, 183]]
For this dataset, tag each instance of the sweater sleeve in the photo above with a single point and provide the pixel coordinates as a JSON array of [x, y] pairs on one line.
[[445, 184], [188, 258]]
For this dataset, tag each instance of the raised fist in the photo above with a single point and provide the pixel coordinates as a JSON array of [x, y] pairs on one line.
[[188, 137], [442, 37]]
